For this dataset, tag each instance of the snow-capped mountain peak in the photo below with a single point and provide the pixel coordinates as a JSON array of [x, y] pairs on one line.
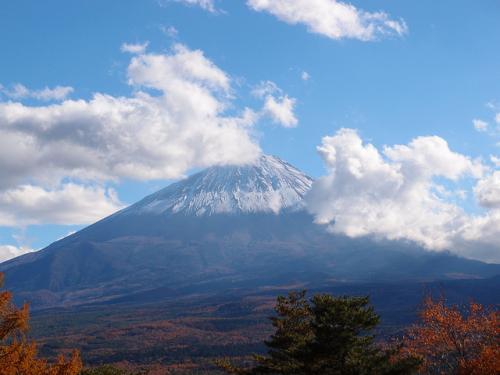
[[269, 185]]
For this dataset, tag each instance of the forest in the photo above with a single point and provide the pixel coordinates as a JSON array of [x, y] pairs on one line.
[[318, 334]]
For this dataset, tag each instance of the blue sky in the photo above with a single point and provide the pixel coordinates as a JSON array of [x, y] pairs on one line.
[[433, 79]]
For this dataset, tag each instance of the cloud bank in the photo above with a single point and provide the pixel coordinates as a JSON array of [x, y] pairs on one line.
[[69, 204], [8, 252], [56, 159], [405, 192]]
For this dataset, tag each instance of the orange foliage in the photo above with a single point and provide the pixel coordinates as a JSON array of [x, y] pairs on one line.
[[453, 340], [18, 355]]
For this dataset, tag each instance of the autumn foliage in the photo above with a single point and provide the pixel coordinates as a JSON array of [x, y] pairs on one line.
[[18, 355], [454, 340], [318, 336]]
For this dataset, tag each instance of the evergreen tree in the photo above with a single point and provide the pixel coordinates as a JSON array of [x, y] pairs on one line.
[[325, 336]]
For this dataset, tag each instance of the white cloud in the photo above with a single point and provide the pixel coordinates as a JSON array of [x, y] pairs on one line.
[[144, 137], [69, 204], [20, 91], [480, 125], [281, 110], [204, 4], [169, 31], [331, 18], [178, 73], [176, 120], [266, 88], [487, 191], [277, 105], [137, 48], [394, 194], [490, 128], [305, 76], [8, 252]]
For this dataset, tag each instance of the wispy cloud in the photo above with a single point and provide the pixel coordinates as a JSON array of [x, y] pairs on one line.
[[208, 5], [491, 128], [134, 48], [480, 125], [19, 91], [169, 31], [331, 18]]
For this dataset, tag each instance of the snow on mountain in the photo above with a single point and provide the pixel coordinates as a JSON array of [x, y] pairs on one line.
[[270, 185]]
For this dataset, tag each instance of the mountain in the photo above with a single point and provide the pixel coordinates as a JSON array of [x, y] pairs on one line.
[[269, 186], [225, 228]]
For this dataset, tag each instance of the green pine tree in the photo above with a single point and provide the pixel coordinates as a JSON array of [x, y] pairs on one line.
[[326, 335]]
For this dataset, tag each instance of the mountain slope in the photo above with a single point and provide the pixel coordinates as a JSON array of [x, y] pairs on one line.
[[224, 228]]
